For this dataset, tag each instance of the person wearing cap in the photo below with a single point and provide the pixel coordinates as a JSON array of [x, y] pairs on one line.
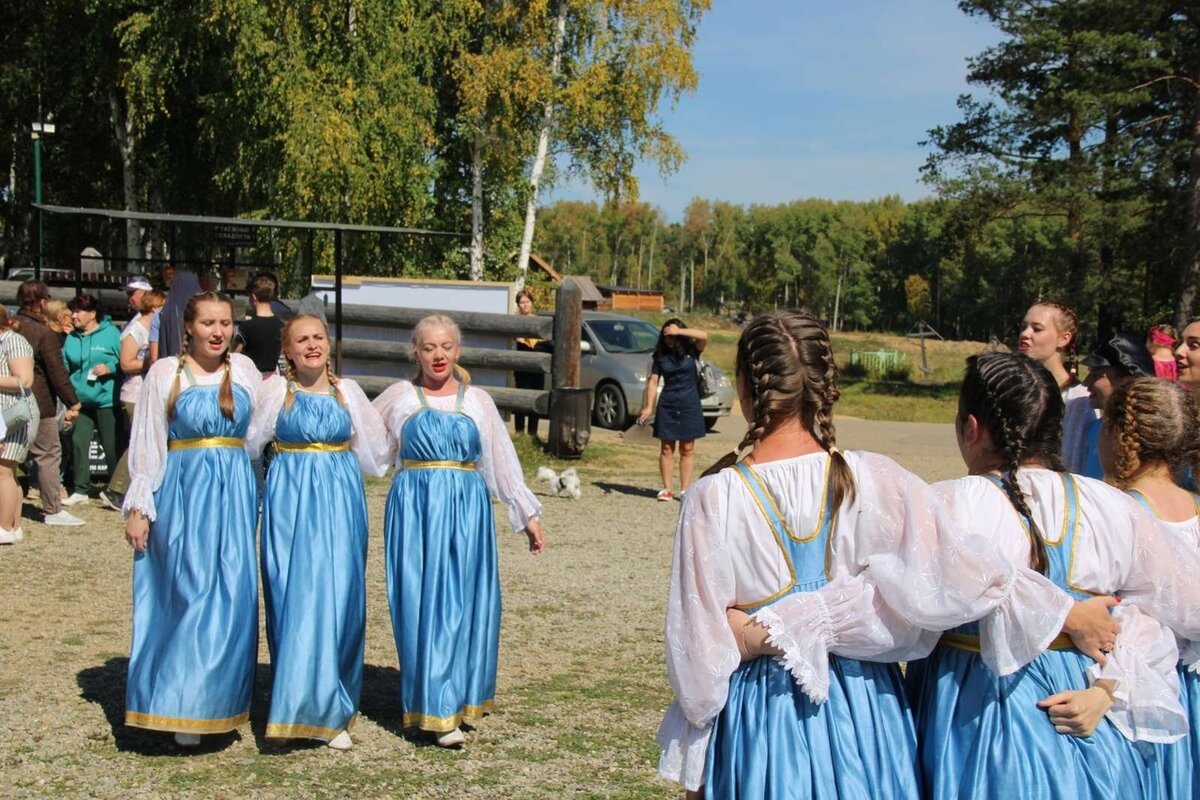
[[1123, 356]]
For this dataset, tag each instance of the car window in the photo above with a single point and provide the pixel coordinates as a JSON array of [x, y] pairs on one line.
[[624, 335]]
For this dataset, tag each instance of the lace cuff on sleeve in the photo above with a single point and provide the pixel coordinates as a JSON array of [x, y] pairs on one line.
[[1024, 623]]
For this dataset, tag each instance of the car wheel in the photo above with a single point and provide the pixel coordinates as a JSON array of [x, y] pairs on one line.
[[710, 423], [609, 410]]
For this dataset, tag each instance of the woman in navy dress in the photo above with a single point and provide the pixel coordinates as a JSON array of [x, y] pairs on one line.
[[190, 517], [314, 537], [677, 413], [440, 535]]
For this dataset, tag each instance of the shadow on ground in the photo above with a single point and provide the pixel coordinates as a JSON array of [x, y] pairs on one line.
[[624, 488]]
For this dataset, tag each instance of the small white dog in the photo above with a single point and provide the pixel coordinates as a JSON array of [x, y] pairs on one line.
[[567, 481]]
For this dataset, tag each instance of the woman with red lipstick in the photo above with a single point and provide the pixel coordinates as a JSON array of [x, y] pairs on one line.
[[314, 536], [190, 514], [442, 575]]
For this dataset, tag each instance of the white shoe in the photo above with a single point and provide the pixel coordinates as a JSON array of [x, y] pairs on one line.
[[19, 534], [75, 499], [340, 742], [62, 518], [8, 537], [454, 738], [187, 739]]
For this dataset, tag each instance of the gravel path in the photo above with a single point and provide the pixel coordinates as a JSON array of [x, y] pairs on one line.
[[581, 684]]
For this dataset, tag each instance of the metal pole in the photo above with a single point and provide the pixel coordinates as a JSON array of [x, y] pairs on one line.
[[37, 198], [337, 298]]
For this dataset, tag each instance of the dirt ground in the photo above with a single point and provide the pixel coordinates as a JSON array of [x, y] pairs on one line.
[[581, 684]]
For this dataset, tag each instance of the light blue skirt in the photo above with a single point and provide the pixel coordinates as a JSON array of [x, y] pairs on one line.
[[195, 598], [982, 736], [314, 551], [444, 588], [1181, 760], [771, 742]]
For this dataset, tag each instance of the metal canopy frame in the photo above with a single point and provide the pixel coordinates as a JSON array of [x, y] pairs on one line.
[[197, 219]]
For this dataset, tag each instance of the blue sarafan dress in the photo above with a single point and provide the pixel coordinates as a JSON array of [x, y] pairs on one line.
[[983, 735], [442, 572], [829, 718], [195, 588], [1181, 760], [314, 550]]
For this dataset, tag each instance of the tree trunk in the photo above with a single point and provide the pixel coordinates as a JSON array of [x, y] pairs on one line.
[[477, 211], [543, 146], [127, 146], [1191, 266]]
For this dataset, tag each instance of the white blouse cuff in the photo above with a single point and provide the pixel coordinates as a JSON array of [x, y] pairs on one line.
[[684, 749], [1025, 622], [523, 507], [139, 497]]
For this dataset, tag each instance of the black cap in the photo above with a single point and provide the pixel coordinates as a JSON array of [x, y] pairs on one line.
[[1125, 353]]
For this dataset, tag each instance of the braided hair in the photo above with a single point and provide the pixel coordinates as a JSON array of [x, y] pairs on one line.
[[225, 396], [1017, 401], [1153, 422], [1067, 322], [289, 367], [786, 359]]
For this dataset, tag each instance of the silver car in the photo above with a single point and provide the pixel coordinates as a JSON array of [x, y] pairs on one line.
[[615, 363]]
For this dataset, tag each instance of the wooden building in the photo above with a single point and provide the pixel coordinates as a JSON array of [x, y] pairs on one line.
[[626, 298]]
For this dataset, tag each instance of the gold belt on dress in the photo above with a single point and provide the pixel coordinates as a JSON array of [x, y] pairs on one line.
[[312, 447], [206, 441], [467, 466], [969, 641]]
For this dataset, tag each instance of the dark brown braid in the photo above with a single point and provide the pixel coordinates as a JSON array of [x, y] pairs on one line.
[[1068, 322], [787, 362], [1018, 403], [225, 396], [1154, 422]]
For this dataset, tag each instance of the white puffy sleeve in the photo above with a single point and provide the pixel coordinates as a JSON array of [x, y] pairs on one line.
[[499, 463], [1161, 578], [394, 405], [373, 445], [267, 405], [1146, 704], [935, 563], [701, 650], [148, 438]]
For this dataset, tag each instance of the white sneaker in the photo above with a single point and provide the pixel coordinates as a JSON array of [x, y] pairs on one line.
[[187, 739], [340, 742], [19, 534], [454, 738], [75, 499], [63, 518], [8, 537]]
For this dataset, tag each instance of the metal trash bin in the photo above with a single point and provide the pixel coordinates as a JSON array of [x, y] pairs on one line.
[[570, 421]]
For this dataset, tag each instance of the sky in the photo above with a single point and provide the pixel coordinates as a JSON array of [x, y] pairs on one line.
[[813, 98]]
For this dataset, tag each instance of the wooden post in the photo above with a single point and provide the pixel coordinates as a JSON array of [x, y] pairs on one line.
[[337, 299], [568, 311]]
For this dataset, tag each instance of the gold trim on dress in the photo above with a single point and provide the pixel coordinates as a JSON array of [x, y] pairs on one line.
[[466, 466], [138, 719], [970, 642], [206, 441], [279, 730], [791, 584], [312, 447], [415, 719]]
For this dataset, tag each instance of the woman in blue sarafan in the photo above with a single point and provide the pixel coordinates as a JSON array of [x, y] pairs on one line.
[[314, 537], [190, 517], [1150, 429], [798, 534], [442, 574], [1064, 726]]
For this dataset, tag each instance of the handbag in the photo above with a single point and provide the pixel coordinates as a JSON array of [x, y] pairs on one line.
[[706, 379], [18, 413]]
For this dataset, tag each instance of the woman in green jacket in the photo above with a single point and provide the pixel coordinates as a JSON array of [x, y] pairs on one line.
[[92, 352]]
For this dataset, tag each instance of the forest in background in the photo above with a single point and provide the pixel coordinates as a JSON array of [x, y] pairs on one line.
[[1072, 172]]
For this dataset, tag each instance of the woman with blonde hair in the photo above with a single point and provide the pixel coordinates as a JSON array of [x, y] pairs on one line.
[[1151, 430], [190, 515], [443, 581], [16, 379], [314, 536]]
